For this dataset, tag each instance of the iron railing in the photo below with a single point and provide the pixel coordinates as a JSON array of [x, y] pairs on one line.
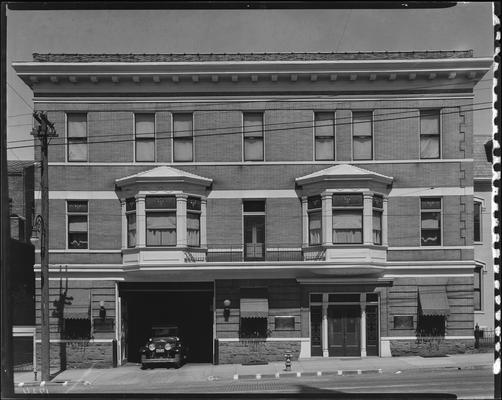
[[263, 253], [485, 339]]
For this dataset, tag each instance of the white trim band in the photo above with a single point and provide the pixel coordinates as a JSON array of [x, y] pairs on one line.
[[279, 339]]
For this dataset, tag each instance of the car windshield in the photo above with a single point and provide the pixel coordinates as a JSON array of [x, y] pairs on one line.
[[165, 331]]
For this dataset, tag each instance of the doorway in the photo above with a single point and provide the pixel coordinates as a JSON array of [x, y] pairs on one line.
[[344, 330]]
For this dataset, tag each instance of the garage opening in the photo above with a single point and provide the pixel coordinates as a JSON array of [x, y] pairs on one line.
[[188, 306]]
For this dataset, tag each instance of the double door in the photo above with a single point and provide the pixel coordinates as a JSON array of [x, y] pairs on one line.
[[344, 330]]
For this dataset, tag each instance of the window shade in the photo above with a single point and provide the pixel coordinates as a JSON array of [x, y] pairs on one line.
[[77, 125]]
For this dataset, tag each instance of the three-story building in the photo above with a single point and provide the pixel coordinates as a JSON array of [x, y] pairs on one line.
[[318, 203]]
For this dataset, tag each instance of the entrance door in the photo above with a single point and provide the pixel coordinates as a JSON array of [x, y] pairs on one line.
[[372, 330], [315, 331], [254, 237], [344, 324], [123, 330]]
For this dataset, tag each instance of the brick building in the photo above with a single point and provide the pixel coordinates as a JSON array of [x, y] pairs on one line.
[[318, 203]]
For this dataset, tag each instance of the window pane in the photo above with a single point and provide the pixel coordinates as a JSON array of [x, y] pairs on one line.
[[429, 122], [361, 123], [161, 220], [430, 203], [131, 230], [253, 124], [182, 124], [347, 226], [377, 201], [145, 150], [193, 221], [77, 223], [324, 124], [145, 125], [377, 227], [193, 229], [161, 229], [429, 147], [77, 206], [77, 151], [431, 237], [477, 300], [431, 220], [193, 203], [362, 148], [314, 202], [477, 222], [183, 150], [77, 240], [160, 202], [253, 149], [324, 149], [315, 228], [130, 204], [254, 206], [77, 125], [344, 200]]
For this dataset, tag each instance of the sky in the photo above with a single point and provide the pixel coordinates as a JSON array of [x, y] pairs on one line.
[[465, 26]]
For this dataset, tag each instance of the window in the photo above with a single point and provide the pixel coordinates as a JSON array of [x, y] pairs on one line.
[[182, 137], [478, 274], [347, 218], [430, 215], [193, 221], [403, 321], [76, 130], [77, 329], [131, 222], [253, 328], [429, 133], [324, 130], [377, 219], [254, 229], [477, 221], [77, 212], [253, 136], [314, 206], [362, 129], [285, 323], [145, 137], [431, 325], [160, 220]]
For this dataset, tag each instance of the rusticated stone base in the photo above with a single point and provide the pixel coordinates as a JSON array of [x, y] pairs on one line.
[[246, 351], [431, 347], [79, 354]]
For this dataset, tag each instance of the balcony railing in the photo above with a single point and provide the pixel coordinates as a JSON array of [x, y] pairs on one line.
[[256, 252]]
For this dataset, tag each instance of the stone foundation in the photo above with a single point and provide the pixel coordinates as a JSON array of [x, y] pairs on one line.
[[430, 347], [246, 351], [79, 354]]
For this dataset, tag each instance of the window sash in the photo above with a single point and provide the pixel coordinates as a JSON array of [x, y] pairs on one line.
[[477, 222], [429, 146], [429, 122], [182, 125], [183, 149], [347, 226], [77, 149], [252, 125], [76, 125], [193, 229], [145, 126], [362, 123], [253, 149], [145, 149], [324, 148], [131, 230], [324, 125], [377, 227], [161, 228], [315, 228], [362, 148]]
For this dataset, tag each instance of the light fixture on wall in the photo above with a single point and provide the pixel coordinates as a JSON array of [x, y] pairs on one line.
[[226, 309], [102, 310], [38, 225]]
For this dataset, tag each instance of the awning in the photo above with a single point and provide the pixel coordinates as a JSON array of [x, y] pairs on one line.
[[254, 308], [433, 301], [80, 307]]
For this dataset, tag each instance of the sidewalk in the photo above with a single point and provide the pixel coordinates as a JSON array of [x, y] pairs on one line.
[[131, 374]]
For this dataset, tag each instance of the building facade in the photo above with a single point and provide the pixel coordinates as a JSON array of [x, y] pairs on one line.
[[312, 203]]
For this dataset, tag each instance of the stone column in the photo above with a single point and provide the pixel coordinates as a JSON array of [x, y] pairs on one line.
[[368, 218], [305, 222], [363, 324], [140, 221], [181, 220], [385, 236], [124, 223], [324, 326], [203, 216], [327, 219]]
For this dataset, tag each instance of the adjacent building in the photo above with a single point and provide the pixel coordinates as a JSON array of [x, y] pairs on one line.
[[313, 203]]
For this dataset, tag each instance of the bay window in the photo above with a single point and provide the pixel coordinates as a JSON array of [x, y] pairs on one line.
[[131, 222], [314, 205], [193, 221], [347, 218], [160, 220]]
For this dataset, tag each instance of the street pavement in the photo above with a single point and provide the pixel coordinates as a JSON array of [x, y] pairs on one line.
[[468, 373]]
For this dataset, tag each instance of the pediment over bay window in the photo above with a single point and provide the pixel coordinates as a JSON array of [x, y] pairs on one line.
[[163, 216], [344, 211]]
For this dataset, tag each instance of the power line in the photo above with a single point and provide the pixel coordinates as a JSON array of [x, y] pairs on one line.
[[21, 97], [249, 131]]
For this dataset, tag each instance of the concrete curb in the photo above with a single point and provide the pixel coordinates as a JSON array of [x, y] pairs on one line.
[[299, 374]]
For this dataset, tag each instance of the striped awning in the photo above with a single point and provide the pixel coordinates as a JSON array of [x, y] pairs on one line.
[[80, 307], [433, 301], [254, 308]]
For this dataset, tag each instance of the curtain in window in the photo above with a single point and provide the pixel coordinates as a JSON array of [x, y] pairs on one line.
[[253, 149], [347, 226], [193, 229], [362, 148], [314, 228], [324, 149], [430, 220], [131, 230], [161, 229], [377, 227], [431, 224], [77, 223], [429, 146]]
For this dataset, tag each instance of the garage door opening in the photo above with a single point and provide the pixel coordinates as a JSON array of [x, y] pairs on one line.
[[190, 311]]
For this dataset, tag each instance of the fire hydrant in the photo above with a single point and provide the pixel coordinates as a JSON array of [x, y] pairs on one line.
[[287, 359]]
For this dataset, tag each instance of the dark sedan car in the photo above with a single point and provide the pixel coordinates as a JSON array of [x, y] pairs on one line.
[[163, 347]]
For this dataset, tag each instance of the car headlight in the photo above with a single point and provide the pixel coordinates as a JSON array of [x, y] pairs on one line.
[[151, 347], [167, 346]]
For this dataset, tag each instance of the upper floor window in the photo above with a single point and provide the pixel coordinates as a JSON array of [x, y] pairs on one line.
[[253, 136], [77, 217], [478, 273], [160, 220], [324, 131], [430, 217], [182, 137], [347, 218], [477, 221], [430, 133], [193, 221], [377, 219], [145, 137], [76, 132], [362, 132], [254, 229], [131, 222], [314, 206]]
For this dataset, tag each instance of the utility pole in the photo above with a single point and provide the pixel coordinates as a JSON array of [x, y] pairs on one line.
[[44, 130]]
